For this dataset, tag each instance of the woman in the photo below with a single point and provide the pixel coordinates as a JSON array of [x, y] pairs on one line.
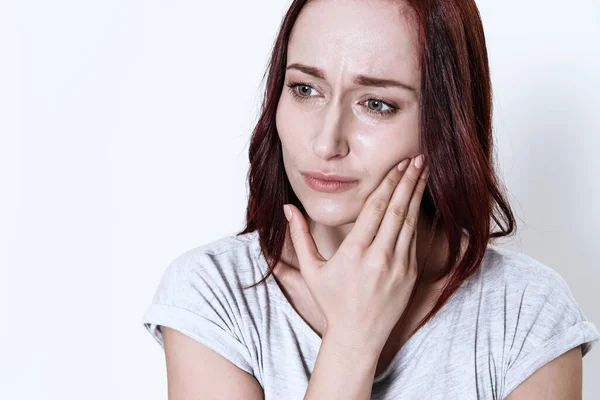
[[383, 282]]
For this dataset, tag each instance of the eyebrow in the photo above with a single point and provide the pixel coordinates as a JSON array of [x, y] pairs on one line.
[[358, 79]]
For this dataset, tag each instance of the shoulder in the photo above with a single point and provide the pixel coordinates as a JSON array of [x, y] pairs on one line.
[[534, 284], [222, 248], [518, 273], [530, 288], [218, 267], [516, 266]]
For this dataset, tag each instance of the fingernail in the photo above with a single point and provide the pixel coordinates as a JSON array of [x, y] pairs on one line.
[[402, 166], [425, 173], [288, 212], [419, 161]]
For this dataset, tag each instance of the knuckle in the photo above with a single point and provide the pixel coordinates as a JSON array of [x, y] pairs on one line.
[[411, 221], [391, 181], [412, 180], [411, 273], [382, 259], [405, 274], [405, 267], [398, 210], [420, 189], [295, 236], [379, 204], [387, 255]]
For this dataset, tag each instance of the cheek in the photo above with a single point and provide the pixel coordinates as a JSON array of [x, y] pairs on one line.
[[280, 120], [294, 135], [283, 118], [394, 138], [388, 147], [381, 151], [369, 142]]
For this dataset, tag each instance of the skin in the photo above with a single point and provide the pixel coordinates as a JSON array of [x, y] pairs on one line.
[[338, 132]]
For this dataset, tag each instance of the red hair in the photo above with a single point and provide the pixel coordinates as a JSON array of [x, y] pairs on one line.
[[463, 194]]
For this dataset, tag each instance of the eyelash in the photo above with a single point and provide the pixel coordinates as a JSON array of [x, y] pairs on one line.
[[292, 90]]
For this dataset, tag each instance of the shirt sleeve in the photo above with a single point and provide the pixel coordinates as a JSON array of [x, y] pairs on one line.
[[549, 323], [189, 300]]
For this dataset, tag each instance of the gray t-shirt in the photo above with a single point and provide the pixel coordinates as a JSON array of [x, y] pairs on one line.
[[506, 321]]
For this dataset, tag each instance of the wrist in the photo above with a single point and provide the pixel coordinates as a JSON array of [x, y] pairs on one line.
[[351, 342]]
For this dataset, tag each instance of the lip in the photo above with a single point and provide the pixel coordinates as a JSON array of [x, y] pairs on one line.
[[329, 177], [328, 183]]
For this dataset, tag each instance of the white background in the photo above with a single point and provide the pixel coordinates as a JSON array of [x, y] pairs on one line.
[[124, 130]]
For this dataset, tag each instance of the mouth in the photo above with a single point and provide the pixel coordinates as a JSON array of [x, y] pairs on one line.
[[328, 185]]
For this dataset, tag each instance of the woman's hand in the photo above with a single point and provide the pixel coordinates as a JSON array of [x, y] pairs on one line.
[[364, 288]]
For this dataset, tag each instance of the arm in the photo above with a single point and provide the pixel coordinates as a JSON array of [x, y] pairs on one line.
[[194, 371], [560, 379], [345, 369]]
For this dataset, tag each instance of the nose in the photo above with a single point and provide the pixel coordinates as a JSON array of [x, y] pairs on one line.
[[331, 142]]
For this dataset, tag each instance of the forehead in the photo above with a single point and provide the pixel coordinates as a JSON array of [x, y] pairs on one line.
[[375, 38]]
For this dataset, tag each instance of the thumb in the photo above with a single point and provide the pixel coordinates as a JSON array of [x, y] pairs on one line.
[[303, 242]]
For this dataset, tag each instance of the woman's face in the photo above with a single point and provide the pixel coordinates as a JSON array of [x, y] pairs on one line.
[[344, 122]]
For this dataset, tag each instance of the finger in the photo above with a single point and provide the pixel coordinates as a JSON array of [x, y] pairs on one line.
[[372, 212], [409, 227], [413, 248], [303, 242], [398, 210], [412, 255]]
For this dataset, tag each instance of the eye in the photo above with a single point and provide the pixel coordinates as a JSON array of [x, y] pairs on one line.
[[303, 94], [378, 104], [304, 90]]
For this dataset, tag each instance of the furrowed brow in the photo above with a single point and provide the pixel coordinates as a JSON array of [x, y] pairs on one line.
[[362, 80]]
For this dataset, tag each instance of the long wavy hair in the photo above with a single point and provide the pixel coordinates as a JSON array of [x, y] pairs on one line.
[[463, 194]]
